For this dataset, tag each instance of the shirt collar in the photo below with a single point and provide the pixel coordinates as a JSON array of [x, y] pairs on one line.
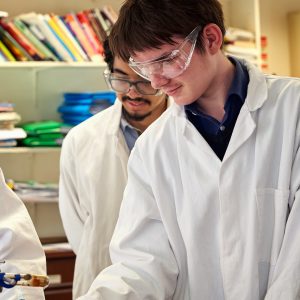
[[240, 81], [124, 125]]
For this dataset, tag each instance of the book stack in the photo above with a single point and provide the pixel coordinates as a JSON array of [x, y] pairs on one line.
[[45, 133], [241, 43], [8, 119], [74, 37], [77, 107], [33, 191]]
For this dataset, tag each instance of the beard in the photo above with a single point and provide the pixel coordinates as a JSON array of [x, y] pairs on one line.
[[135, 116]]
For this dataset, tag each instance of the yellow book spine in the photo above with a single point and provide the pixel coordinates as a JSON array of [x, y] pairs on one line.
[[6, 52], [64, 38]]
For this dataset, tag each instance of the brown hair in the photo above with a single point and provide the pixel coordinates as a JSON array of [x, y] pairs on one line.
[[145, 24]]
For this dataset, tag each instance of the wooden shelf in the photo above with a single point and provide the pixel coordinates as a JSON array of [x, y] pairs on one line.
[[21, 150], [60, 266], [51, 64]]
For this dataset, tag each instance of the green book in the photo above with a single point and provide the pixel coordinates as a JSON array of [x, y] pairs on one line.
[[36, 42], [36, 127], [36, 142], [15, 48]]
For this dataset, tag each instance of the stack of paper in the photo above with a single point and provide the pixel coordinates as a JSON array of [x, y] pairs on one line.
[[8, 119], [241, 43], [32, 191]]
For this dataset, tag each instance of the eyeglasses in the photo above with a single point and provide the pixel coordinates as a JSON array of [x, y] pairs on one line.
[[123, 85], [170, 65]]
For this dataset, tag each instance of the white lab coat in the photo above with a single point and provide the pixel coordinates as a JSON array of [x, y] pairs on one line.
[[192, 227], [20, 246], [93, 175]]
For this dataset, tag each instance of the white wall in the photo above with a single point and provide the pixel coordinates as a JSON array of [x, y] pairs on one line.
[[274, 25], [294, 36], [16, 7]]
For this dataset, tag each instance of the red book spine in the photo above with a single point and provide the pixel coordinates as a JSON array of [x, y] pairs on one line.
[[101, 34], [22, 40], [90, 33]]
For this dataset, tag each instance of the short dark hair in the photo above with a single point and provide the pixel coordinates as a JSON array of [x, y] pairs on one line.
[[108, 55], [145, 24]]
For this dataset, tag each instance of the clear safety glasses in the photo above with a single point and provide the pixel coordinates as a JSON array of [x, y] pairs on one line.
[[122, 85], [170, 65]]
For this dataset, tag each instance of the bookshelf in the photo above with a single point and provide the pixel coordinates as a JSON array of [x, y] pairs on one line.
[[36, 89]]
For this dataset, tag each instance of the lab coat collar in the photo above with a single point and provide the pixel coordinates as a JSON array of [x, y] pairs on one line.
[[257, 88], [113, 127], [256, 96]]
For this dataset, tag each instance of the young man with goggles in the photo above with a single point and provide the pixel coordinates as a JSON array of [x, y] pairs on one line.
[[211, 208], [94, 167]]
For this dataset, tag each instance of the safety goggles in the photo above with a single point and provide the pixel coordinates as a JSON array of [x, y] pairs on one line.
[[170, 65], [123, 85]]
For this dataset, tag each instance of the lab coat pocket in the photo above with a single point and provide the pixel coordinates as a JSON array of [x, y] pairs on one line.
[[272, 207]]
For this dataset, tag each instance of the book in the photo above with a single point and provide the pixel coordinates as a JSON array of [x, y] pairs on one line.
[[90, 33], [48, 55], [8, 143], [6, 107], [22, 40], [99, 31], [39, 35], [5, 51], [245, 44], [233, 33], [70, 36], [74, 24], [241, 50], [9, 119], [103, 23], [59, 35], [62, 38], [16, 133], [3, 14], [18, 52], [109, 13], [40, 21]]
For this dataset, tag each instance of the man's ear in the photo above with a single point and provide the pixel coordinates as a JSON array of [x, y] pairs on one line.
[[213, 37]]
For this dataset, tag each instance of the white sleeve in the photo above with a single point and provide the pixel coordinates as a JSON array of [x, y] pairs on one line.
[[285, 281], [20, 246], [72, 214], [144, 266]]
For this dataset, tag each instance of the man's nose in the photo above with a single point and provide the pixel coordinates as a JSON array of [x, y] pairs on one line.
[[133, 92], [157, 80]]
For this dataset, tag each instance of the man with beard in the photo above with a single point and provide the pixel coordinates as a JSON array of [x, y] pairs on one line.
[[93, 168]]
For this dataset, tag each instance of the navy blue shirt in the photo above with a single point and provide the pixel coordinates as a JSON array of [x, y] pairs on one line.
[[217, 134]]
